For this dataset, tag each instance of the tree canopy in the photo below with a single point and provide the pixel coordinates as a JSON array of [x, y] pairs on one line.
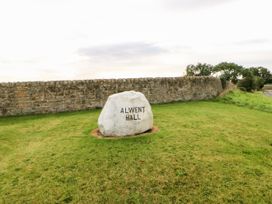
[[199, 69], [248, 79]]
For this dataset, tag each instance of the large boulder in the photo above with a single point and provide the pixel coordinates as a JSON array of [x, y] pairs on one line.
[[126, 113]]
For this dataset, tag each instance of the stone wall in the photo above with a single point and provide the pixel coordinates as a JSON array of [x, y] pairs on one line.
[[22, 98], [267, 87]]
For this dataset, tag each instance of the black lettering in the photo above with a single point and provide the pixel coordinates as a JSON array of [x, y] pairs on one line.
[[122, 110], [130, 110], [126, 110], [127, 117]]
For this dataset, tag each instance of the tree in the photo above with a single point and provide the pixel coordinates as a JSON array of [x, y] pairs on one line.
[[199, 69], [229, 71], [263, 73]]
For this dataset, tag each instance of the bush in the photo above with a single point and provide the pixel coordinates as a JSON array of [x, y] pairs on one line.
[[251, 83], [246, 84], [259, 83]]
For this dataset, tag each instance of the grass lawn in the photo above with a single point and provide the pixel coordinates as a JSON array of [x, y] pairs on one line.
[[257, 100], [205, 152]]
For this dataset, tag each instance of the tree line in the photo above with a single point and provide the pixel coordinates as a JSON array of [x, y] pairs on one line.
[[247, 79]]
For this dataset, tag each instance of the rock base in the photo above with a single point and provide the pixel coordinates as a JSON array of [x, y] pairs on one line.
[[96, 133]]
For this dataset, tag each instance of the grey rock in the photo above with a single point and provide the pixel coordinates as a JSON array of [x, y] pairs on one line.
[[124, 114]]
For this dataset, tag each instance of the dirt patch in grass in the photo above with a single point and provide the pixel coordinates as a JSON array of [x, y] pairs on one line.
[[96, 133]]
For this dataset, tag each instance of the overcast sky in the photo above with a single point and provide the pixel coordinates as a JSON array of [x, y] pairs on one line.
[[84, 39]]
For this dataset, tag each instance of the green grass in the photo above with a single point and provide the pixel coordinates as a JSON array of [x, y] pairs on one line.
[[256, 100], [205, 152]]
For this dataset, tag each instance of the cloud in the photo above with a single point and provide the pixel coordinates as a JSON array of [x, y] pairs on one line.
[[252, 41], [121, 51], [17, 61], [132, 59], [192, 4]]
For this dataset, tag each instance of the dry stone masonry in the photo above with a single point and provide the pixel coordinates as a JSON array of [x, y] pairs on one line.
[[22, 98]]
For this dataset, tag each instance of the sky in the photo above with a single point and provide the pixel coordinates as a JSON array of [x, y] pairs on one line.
[[87, 39]]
